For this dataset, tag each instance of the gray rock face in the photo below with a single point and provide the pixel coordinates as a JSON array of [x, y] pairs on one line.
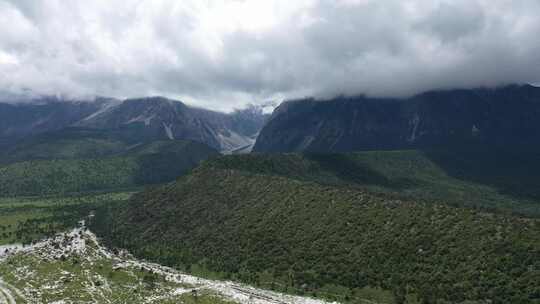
[[161, 118], [502, 117], [144, 119]]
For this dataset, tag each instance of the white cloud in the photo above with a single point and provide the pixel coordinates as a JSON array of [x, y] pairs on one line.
[[222, 54]]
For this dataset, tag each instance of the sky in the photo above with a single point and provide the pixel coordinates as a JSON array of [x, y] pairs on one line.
[[225, 54]]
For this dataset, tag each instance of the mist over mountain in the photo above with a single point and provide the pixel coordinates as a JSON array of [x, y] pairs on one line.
[[226, 54], [270, 152], [504, 117], [158, 117], [42, 115]]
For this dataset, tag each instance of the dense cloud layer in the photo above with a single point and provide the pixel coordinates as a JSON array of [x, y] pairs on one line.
[[222, 54]]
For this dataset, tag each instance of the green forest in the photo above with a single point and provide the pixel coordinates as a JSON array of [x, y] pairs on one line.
[[151, 163], [25, 220], [342, 226], [502, 181]]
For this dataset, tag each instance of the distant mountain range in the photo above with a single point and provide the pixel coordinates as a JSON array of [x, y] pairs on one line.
[[501, 117], [141, 120], [22, 120], [464, 118]]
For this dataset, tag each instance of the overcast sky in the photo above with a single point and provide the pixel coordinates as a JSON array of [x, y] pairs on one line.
[[222, 54]]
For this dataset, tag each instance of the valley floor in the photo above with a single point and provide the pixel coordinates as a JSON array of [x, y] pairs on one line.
[[73, 267]]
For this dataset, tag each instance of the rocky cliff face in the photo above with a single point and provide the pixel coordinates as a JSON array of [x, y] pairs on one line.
[[161, 118], [502, 117], [139, 120]]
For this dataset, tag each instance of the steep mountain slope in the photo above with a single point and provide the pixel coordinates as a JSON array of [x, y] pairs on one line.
[[41, 115], [322, 232], [161, 118], [493, 180], [487, 117], [138, 120], [152, 163]]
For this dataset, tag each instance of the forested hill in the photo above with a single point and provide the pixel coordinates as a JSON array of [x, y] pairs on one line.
[[55, 169], [84, 143], [502, 180], [336, 226]]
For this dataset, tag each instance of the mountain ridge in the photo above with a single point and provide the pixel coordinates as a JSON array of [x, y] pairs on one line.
[[447, 118], [153, 118]]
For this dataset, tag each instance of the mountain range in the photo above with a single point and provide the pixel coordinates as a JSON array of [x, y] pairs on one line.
[[139, 120], [505, 117], [498, 117], [449, 215]]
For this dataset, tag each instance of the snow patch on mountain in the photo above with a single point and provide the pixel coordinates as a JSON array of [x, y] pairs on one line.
[[107, 107], [168, 131], [142, 118], [231, 141]]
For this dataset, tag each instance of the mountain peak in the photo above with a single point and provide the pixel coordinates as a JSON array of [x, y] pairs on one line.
[[153, 99]]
